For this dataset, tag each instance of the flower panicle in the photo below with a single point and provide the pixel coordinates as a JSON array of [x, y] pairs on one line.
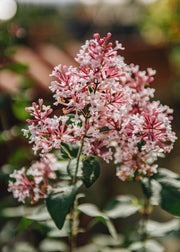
[[36, 182], [106, 105]]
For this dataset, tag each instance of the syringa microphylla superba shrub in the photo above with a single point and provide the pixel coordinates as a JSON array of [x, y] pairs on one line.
[[103, 110], [107, 106], [107, 110]]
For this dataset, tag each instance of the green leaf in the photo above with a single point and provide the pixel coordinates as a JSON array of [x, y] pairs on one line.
[[19, 155], [146, 246], [111, 228], [8, 231], [88, 248], [17, 67], [107, 222], [146, 187], [170, 195], [105, 128], [70, 121], [24, 224], [99, 248], [91, 90], [19, 111], [62, 169], [50, 245], [22, 246], [115, 250], [105, 240], [164, 190], [71, 168], [165, 173], [170, 191], [151, 189], [56, 233], [90, 210], [93, 211], [87, 107], [90, 171], [140, 145], [71, 148], [14, 212], [157, 229], [39, 213], [122, 207], [59, 204]]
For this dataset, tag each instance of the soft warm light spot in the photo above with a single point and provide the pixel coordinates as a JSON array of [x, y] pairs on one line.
[[147, 1], [89, 2], [8, 9]]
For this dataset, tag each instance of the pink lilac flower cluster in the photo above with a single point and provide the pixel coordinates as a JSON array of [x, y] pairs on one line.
[[107, 109], [36, 182]]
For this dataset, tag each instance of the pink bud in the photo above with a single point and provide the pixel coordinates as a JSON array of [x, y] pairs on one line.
[[108, 35], [96, 36], [40, 102]]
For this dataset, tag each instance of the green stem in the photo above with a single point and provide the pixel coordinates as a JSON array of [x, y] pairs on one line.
[[96, 85], [73, 226], [73, 215], [145, 217], [146, 210], [67, 152], [80, 151]]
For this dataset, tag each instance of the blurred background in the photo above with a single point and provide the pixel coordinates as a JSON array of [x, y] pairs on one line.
[[35, 36]]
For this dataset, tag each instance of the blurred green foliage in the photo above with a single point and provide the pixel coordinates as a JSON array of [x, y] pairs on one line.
[[14, 151], [161, 22], [160, 26], [36, 231]]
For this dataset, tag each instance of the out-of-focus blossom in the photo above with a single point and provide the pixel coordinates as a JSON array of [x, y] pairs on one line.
[[36, 182]]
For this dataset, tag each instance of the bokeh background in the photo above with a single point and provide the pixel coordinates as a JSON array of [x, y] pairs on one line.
[[35, 36]]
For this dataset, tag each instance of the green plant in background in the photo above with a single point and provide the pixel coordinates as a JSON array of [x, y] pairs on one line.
[[107, 114], [14, 150], [160, 25], [161, 22], [12, 102]]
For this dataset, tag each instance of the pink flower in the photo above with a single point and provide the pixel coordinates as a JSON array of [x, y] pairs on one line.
[[106, 104], [48, 133], [37, 111], [153, 129], [34, 183]]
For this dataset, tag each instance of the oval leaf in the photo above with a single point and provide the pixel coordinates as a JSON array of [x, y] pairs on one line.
[[146, 246], [158, 229], [165, 173], [164, 190], [122, 207], [93, 211], [59, 204], [90, 171], [90, 210], [71, 168], [170, 195], [71, 148], [152, 189], [50, 245]]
